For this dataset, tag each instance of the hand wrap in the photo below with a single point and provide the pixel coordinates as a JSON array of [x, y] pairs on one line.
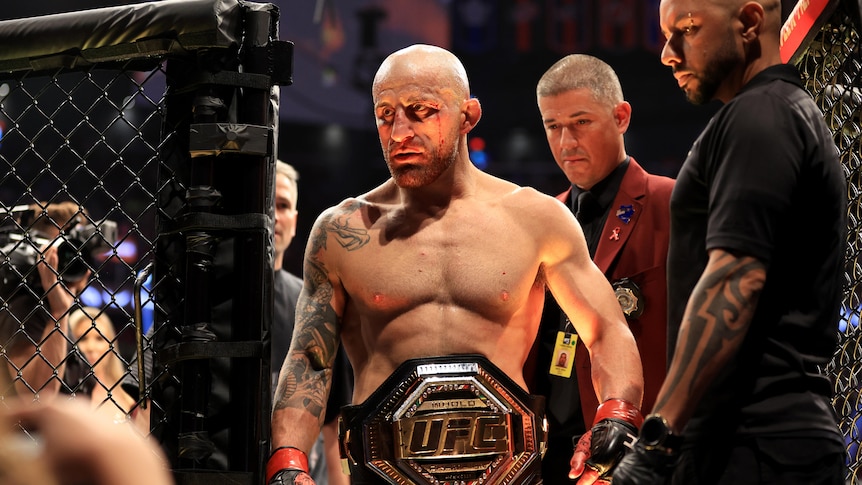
[[602, 447], [288, 466]]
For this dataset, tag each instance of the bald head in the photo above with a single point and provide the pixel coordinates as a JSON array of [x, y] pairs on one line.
[[430, 64], [768, 5], [772, 14], [771, 11], [731, 8]]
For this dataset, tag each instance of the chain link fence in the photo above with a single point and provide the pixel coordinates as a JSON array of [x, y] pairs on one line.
[[79, 164], [832, 67], [136, 177]]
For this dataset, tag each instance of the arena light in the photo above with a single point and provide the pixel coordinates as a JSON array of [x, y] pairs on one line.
[[477, 152]]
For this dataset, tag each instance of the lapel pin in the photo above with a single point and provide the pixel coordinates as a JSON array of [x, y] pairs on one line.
[[625, 213]]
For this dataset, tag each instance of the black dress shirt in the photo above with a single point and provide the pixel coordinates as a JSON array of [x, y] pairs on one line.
[[591, 207]]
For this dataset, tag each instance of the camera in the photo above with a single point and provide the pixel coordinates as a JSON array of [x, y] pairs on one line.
[[76, 249]]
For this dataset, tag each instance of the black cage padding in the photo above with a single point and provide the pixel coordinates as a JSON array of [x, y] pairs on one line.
[[211, 199], [144, 30]]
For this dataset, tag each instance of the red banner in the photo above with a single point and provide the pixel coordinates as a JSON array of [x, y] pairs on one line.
[[799, 24]]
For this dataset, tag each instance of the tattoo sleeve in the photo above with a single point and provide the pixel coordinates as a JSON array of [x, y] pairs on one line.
[[715, 323], [307, 373]]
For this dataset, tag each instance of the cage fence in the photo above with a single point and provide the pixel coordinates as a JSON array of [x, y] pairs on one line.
[[831, 65], [82, 147], [136, 173]]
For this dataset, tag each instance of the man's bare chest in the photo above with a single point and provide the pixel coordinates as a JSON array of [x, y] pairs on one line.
[[480, 268]]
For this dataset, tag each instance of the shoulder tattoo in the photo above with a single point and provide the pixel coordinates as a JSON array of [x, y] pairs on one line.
[[338, 224]]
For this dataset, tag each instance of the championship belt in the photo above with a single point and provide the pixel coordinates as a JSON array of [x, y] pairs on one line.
[[453, 420]]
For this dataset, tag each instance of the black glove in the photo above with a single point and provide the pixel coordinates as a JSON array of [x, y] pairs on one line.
[[599, 450], [611, 439], [291, 477], [645, 467]]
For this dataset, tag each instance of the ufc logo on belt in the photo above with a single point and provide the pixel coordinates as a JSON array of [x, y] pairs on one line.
[[458, 434]]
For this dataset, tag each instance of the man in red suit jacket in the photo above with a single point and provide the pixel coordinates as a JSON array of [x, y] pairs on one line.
[[624, 212]]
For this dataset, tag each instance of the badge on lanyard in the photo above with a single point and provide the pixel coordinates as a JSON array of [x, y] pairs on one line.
[[564, 354]]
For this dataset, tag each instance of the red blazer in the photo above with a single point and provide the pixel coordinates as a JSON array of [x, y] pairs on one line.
[[636, 250]]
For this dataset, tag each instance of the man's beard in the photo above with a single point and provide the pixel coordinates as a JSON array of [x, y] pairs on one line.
[[714, 74], [415, 176]]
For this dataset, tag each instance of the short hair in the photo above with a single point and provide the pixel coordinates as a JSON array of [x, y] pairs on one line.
[[578, 71], [287, 170]]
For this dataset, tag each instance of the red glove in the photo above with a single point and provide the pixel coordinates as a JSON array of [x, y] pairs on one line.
[[288, 466], [602, 447]]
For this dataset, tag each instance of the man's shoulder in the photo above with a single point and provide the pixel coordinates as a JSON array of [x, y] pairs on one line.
[[497, 192], [383, 195], [533, 204], [345, 208], [768, 99], [505, 189]]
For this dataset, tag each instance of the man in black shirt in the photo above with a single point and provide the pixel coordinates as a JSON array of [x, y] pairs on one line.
[[755, 304]]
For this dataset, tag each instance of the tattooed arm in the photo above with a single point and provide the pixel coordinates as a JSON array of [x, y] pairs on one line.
[[715, 323], [306, 375], [303, 386]]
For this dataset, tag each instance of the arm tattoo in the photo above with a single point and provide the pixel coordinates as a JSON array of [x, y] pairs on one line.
[[716, 321], [307, 374]]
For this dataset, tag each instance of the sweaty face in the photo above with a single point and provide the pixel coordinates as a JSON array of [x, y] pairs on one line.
[[418, 126], [584, 135], [700, 48], [285, 213]]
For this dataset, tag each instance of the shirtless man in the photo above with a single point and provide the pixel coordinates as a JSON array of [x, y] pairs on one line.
[[442, 259]]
